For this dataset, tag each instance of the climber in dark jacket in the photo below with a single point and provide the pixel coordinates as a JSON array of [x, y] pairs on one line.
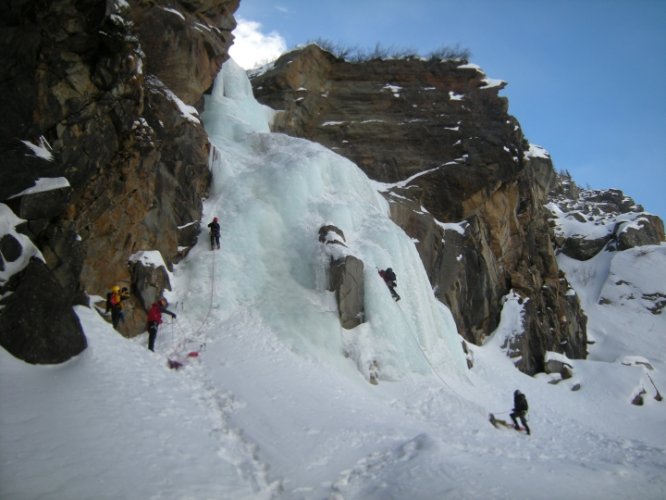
[[519, 410], [214, 234], [390, 278]]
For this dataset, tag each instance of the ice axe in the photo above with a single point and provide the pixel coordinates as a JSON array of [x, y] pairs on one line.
[[658, 397]]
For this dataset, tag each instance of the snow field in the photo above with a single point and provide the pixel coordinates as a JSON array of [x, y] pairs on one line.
[[113, 423]]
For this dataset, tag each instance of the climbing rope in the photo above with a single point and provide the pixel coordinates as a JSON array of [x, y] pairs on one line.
[[425, 356], [427, 359], [189, 338]]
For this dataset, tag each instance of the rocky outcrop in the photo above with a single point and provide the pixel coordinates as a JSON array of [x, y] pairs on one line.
[[588, 221], [185, 47], [100, 94], [645, 229], [33, 301], [347, 282], [345, 273], [464, 181], [149, 277], [38, 308]]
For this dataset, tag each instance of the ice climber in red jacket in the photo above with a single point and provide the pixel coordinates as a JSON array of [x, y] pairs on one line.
[[155, 319]]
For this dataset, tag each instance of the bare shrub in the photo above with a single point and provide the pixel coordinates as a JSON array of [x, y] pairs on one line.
[[380, 53], [449, 53]]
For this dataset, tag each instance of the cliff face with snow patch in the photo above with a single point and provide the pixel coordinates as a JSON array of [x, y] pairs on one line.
[[588, 221], [460, 177], [104, 156], [102, 96]]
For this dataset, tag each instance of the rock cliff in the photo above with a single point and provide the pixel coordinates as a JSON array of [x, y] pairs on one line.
[[104, 161], [463, 182], [619, 222], [590, 222], [102, 95]]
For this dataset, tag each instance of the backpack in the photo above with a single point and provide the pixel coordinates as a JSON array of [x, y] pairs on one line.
[[116, 301], [521, 402]]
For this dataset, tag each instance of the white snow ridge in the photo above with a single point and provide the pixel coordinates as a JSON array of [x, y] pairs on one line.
[[277, 403]]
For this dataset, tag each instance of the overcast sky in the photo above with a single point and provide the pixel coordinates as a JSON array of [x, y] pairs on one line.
[[587, 78]]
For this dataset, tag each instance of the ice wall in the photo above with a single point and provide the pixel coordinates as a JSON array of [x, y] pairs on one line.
[[272, 192]]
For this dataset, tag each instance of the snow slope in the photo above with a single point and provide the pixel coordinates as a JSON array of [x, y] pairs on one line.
[[278, 405]]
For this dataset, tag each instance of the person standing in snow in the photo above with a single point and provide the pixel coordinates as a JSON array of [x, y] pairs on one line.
[[155, 319], [390, 278], [214, 234], [115, 304], [519, 410]]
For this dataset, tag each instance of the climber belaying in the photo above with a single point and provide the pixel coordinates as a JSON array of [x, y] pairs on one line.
[[155, 319]]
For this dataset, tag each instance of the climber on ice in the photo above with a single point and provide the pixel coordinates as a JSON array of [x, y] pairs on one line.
[[155, 319], [519, 410], [214, 234], [390, 278]]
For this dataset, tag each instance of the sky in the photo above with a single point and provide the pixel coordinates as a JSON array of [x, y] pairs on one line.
[[586, 78]]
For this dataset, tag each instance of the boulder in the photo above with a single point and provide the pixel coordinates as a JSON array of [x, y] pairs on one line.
[[149, 277], [646, 229], [37, 323], [346, 278], [559, 366], [42, 204], [584, 248]]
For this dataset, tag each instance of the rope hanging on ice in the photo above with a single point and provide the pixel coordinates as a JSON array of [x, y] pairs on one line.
[[194, 334], [425, 356]]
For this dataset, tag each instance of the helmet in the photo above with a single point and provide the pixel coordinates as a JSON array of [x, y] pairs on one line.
[[115, 288], [516, 392], [163, 302]]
